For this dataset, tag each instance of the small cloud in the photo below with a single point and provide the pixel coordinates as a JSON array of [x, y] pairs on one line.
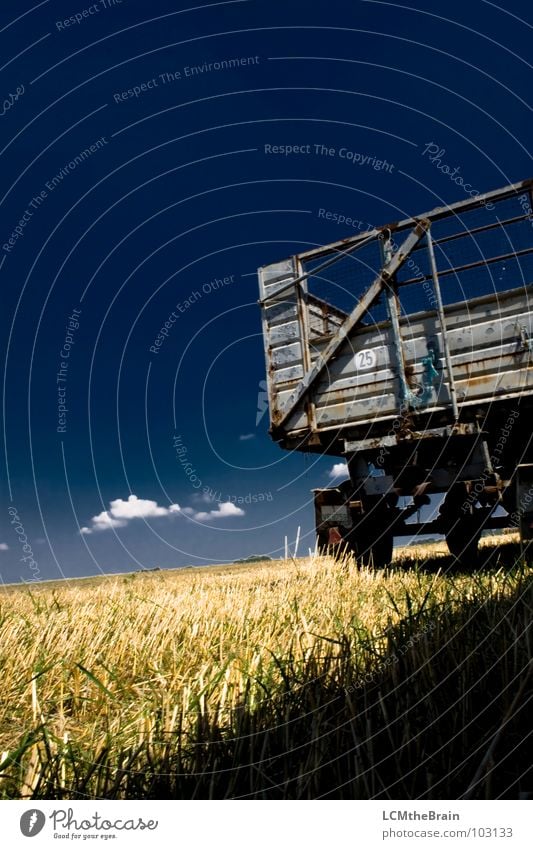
[[339, 470], [244, 437], [203, 497], [4, 546], [103, 522], [138, 508], [121, 512], [227, 508]]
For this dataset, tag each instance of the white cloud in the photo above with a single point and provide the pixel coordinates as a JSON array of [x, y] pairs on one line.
[[102, 522], [223, 510], [227, 508], [4, 546], [339, 470], [202, 498], [137, 508], [244, 437], [121, 512]]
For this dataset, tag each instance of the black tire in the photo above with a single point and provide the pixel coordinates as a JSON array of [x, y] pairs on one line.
[[462, 525]]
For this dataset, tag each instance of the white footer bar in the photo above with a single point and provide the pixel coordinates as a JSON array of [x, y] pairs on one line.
[[263, 824]]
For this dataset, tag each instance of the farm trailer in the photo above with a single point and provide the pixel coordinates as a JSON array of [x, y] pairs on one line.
[[407, 350]]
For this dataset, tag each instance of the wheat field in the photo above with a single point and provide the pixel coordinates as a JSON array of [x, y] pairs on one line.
[[289, 679]]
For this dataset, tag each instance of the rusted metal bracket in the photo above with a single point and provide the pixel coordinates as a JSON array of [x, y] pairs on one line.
[[526, 342], [390, 440], [388, 271]]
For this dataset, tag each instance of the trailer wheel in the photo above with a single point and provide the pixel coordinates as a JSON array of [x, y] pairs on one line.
[[372, 535], [375, 554], [379, 553], [462, 524]]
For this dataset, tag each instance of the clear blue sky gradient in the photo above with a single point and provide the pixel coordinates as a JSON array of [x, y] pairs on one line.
[[137, 189]]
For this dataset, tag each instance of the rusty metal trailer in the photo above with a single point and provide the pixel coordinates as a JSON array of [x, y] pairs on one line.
[[408, 351]]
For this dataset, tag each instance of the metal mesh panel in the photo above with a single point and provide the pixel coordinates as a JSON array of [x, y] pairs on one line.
[[477, 254], [343, 283], [468, 247]]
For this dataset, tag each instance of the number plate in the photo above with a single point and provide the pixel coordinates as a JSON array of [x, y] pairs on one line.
[[332, 513], [365, 359]]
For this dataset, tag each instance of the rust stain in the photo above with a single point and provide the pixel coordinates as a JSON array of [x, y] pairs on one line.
[[480, 381]]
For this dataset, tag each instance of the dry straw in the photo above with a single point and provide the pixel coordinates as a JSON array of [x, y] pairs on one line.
[[246, 681]]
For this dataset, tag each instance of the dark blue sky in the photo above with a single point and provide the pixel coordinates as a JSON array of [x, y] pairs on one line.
[[140, 183]]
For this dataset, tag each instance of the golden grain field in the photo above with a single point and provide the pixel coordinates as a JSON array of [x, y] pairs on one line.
[[170, 683]]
